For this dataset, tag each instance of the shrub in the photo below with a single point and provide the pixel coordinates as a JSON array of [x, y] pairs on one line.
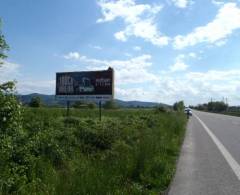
[[35, 102], [110, 105], [161, 109], [92, 105], [178, 106], [12, 171], [79, 104], [128, 152]]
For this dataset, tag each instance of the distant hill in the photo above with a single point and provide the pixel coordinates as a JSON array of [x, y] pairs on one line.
[[50, 100], [135, 104]]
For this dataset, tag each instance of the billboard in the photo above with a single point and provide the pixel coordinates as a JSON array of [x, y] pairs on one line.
[[85, 85]]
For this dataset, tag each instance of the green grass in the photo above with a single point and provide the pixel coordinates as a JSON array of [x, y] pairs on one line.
[[131, 151]]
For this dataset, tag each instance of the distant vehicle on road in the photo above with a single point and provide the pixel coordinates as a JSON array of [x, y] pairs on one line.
[[188, 111]]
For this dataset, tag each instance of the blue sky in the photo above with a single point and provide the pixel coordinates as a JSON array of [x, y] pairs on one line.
[[161, 50]]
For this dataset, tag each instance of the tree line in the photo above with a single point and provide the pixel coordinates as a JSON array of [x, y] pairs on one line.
[[213, 106]]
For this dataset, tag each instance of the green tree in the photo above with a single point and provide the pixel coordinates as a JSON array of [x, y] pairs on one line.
[[217, 106], [178, 106], [35, 102], [3, 45], [175, 106], [10, 109], [11, 133]]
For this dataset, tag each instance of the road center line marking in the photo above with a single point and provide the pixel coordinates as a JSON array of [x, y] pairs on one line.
[[229, 158]]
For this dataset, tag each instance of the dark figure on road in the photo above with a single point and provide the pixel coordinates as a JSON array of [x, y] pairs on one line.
[[189, 113]]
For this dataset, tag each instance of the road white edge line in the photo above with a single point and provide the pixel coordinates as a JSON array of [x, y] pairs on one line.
[[231, 161]]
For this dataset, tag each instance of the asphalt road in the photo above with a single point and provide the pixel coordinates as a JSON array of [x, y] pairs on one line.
[[210, 158]]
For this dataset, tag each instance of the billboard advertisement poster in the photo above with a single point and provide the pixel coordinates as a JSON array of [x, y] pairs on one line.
[[85, 85]]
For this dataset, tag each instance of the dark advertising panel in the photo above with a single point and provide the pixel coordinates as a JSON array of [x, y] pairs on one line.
[[86, 84]]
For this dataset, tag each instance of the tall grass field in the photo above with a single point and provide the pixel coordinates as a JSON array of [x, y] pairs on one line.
[[131, 151]]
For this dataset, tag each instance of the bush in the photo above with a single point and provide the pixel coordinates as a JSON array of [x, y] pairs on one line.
[[12, 171], [79, 104], [110, 105], [161, 109], [92, 105], [178, 106], [10, 110], [129, 152], [35, 102]]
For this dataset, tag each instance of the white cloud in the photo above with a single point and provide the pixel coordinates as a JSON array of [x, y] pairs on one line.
[[221, 43], [168, 86], [215, 2], [128, 54], [179, 65], [192, 87], [72, 55], [137, 48], [214, 75], [226, 21], [133, 70], [138, 18], [133, 94], [181, 3], [120, 36], [96, 47], [27, 86], [8, 71], [199, 87], [192, 55], [217, 84], [11, 71], [180, 57]]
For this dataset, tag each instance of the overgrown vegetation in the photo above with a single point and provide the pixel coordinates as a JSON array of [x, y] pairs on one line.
[[129, 152]]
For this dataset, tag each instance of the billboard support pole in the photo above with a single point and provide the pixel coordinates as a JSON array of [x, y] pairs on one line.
[[68, 108], [100, 110]]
